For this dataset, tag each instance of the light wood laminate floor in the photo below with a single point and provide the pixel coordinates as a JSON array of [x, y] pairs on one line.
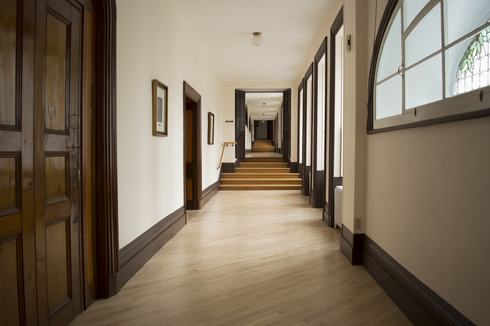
[[250, 258]]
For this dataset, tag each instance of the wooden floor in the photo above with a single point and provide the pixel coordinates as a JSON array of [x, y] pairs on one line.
[[250, 258]]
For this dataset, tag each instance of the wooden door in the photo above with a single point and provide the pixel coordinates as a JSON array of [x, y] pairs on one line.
[[240, 124], [57, 160], [286, 125]]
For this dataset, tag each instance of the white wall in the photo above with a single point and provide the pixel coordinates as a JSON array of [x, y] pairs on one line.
[[153, 41], [228, 102], [426, 190]]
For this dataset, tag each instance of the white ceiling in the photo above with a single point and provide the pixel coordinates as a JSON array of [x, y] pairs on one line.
[[260, 111], [224, 28]]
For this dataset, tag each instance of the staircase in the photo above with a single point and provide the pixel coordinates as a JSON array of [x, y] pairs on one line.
[[263, 146], [261, 174]]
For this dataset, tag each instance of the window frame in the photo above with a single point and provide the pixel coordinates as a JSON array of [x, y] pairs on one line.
[[469, 105]]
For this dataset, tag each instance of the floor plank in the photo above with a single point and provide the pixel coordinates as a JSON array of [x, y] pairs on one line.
[[250, 258]]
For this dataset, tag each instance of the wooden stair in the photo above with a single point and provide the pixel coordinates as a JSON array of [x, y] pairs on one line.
[[263, 146], [261, 174]]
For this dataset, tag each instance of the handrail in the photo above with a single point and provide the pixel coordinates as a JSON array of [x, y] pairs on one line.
[[223, 151]]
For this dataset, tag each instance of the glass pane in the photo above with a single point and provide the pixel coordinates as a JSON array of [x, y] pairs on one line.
[[411, 8], [389, 98], [423, 83], [425, 38], [391, 55], [467, 64], [461, 17]]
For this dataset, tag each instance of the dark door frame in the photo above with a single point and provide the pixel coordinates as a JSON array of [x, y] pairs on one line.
[[330, 181], [317, 195], [193, 95], [305, 187], [298, 143]]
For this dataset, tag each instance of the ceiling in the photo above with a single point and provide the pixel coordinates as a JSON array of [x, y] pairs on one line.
[[260, 111], [224, 28]]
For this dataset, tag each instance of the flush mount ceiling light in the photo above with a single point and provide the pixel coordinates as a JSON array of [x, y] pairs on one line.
[[257, 39]]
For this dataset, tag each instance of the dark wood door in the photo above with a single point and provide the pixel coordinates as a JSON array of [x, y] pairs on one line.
[[39, 162], [191, 156], [286, 125], [57, 160], [240, 124]]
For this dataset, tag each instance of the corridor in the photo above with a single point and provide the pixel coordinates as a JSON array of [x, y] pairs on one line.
[[250, 258]]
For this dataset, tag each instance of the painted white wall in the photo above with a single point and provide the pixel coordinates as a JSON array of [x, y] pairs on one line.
[[153, 41], [427, 193], [228, 111]]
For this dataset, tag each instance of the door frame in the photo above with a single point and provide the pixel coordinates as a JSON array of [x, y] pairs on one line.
[[305, 188], [192, 94], [330, 181]]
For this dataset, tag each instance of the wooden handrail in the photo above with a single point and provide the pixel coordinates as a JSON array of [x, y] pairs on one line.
[[223, 151]]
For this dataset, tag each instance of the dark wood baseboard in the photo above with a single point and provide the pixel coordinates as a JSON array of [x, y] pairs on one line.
[[351, 245], [210, 192], [328, 218], [418, 302], [294, 167], [135, 255]]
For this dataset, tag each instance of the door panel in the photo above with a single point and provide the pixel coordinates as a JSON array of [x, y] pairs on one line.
[[57, 162], [10, 278], [240, 124]]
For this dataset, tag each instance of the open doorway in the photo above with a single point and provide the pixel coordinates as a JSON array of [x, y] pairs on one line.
[[192, 149]]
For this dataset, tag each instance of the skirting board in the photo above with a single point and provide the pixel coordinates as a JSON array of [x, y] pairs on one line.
[[137, 253], [210, 192], [418, 302], [351, 245]]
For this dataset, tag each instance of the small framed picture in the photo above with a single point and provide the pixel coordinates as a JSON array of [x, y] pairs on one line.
[[210, 128], [160, 109]]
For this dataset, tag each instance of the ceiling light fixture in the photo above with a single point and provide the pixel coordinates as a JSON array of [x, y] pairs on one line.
[[257, 39]]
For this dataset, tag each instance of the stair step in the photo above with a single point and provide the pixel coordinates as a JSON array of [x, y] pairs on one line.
[[263, 150], [260, 187], [263, 165], [261, 181], [259, 175], [262, 170], [264, 159]]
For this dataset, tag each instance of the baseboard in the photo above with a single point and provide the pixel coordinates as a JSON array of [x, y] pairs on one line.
[[228, 168], [351, 245], [418, 302], [327, 217], [210, 192], [137, 253], [294, 167]]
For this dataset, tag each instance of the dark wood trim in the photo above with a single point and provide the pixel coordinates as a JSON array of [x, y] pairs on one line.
[[327, 217], [300, 88], [306, 168], [351, 245], [106, 204], [210, 192], [191, 93], [294, 167], [452, 118], [383, 25], [300, 169], [417, 301], [139, 251], [318, 188], [329, 179]]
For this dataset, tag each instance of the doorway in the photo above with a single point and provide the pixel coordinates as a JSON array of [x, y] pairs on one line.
[[192, 149]]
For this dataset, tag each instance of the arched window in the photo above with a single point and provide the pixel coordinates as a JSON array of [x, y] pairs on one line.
[[430, 63], [474, 68]]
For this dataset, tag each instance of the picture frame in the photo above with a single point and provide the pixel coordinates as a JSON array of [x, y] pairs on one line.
[[210, 128], [160, 108]]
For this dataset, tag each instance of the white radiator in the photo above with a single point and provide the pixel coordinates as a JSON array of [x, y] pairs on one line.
[[337, 199]]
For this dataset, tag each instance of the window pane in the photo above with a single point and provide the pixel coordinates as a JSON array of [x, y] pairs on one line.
[[461, 17], [468, 64], [423, 83], [391, 55], [411, 8], [425, 38], [389, 98]]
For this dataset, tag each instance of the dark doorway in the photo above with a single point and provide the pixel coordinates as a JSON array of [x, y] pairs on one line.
[[192, 149]]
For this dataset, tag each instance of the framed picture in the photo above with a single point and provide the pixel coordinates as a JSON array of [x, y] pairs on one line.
[[210, 128], [160, 109]]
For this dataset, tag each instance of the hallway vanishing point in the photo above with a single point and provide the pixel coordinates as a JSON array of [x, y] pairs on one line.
[[250, 258]]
